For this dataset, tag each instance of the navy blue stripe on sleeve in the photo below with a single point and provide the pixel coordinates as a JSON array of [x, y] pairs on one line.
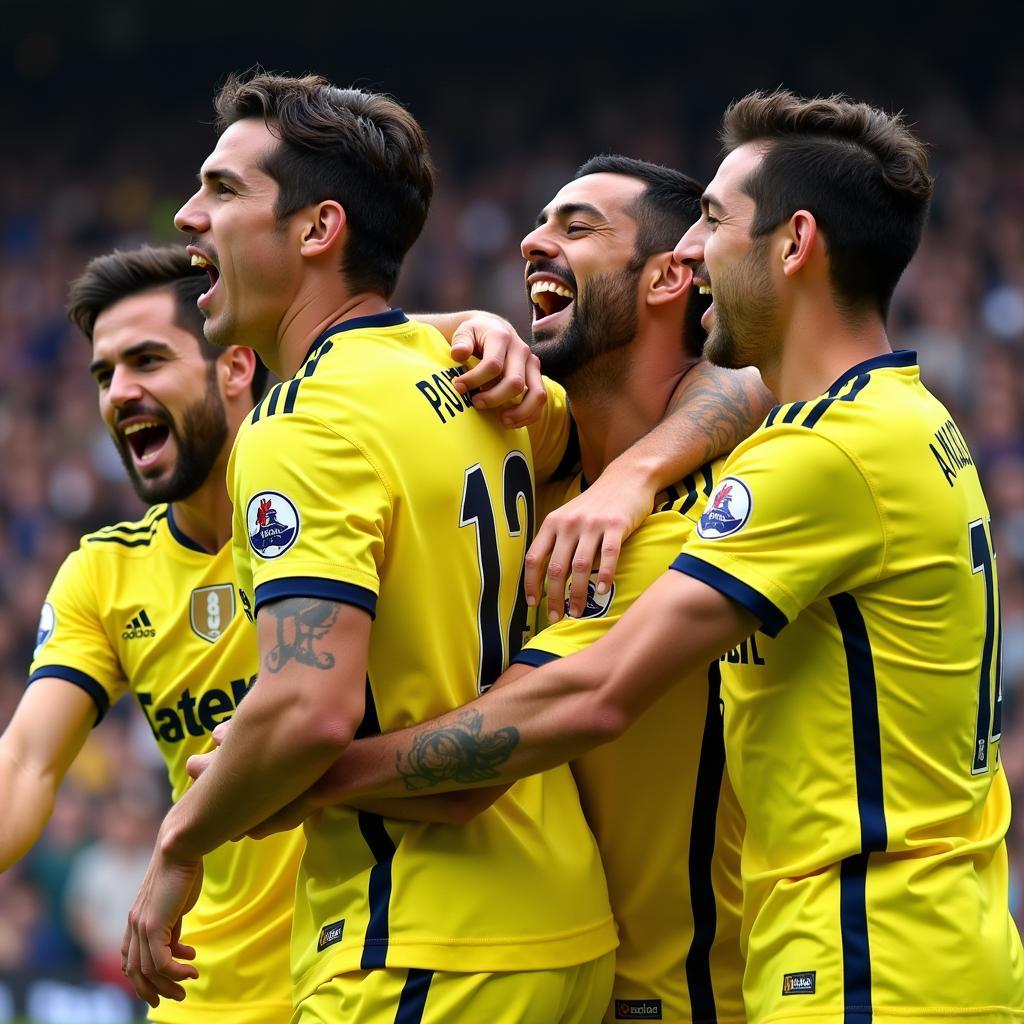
[[772, 619], [79, 679], [534, 658], [315, 586]]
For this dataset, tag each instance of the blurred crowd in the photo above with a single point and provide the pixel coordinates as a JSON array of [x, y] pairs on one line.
[[961, 305]]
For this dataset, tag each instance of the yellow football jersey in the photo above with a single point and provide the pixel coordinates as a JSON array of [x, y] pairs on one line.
[[367, 479], [661, 807], [863, 740], [138, 607]]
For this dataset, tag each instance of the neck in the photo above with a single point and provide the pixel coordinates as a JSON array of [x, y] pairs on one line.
[[612, 418], [817, 347], [205, 515], [308, 318]]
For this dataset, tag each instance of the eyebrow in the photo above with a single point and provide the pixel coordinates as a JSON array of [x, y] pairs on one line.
[[567, 210], [219, 174], [707, 200], [140, 347]]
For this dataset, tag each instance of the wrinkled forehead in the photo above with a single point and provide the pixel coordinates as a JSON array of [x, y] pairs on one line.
[[610, 196]]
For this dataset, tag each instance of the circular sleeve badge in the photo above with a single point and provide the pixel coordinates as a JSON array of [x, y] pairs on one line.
[[47, 624], [727, 511], [272, 521]]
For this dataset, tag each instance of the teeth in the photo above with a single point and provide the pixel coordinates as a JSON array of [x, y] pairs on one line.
[[200, 261], [550, 286], [134, 428], [704, 289]]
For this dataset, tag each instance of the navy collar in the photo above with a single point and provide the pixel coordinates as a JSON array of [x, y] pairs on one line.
[[902, 357], [181, 538], [389, 318]]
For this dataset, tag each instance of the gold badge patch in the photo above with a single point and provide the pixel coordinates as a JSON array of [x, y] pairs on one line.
[[211, 609]]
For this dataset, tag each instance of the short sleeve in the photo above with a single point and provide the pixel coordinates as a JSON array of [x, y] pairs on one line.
[[792, 519], [72, 643], [311, 513], [553, 438]]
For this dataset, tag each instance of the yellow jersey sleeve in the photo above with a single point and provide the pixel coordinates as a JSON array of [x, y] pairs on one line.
[[314, 527], [553, 437], [787, 523], [72, 643]]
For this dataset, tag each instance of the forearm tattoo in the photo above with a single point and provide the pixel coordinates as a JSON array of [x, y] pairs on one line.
[[301, 622], [725, 406], [460, 752]]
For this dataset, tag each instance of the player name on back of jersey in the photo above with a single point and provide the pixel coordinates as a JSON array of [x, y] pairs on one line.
[[952, 453], [442, 397]]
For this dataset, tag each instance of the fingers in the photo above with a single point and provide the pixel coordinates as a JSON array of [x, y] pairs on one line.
[[152, 978], [221, 731], [582, 564], [537, 562], [490, 340], [197, 764], [529, 409]]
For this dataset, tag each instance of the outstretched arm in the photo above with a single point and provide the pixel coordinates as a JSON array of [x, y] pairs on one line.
[[555, 713], [711, 412], [48, 729]]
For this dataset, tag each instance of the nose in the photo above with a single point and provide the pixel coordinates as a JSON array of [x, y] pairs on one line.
[[690, 248], [538, 243], [191, 218], [124, 388]]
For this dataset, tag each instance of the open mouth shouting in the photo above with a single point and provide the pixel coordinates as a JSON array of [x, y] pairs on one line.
[[145, 437], [702, 283], [550, 298], [205, 261]]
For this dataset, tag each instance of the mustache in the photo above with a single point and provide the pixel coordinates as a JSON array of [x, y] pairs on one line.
[[138, 409], [559, 270]]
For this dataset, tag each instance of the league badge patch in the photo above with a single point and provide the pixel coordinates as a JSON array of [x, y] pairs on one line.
[[597, 605], [47, 624], [728, 510], [211, 609], [273, 523]]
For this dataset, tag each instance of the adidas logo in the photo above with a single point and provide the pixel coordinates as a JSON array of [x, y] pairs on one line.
[[139, 627]]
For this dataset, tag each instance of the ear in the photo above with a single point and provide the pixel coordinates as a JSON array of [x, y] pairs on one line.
[[665, 280], [323, 229], [235, 367], [800, 238]]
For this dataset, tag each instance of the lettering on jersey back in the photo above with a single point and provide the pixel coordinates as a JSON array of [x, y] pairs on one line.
[[443, 398], [954, 454], [744, 654], [192, 716]]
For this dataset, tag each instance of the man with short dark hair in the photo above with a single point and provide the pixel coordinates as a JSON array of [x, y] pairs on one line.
[[379, 529], [851, 530], [148, 607]]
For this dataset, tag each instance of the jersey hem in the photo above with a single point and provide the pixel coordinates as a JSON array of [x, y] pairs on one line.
[[772, 617], [315, 587], [534, 657], [77, 678], [541, 953], [905, 1015], [222, 1013]]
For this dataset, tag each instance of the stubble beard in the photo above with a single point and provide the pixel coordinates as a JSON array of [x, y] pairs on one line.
[[198, 442], [588, 354]]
